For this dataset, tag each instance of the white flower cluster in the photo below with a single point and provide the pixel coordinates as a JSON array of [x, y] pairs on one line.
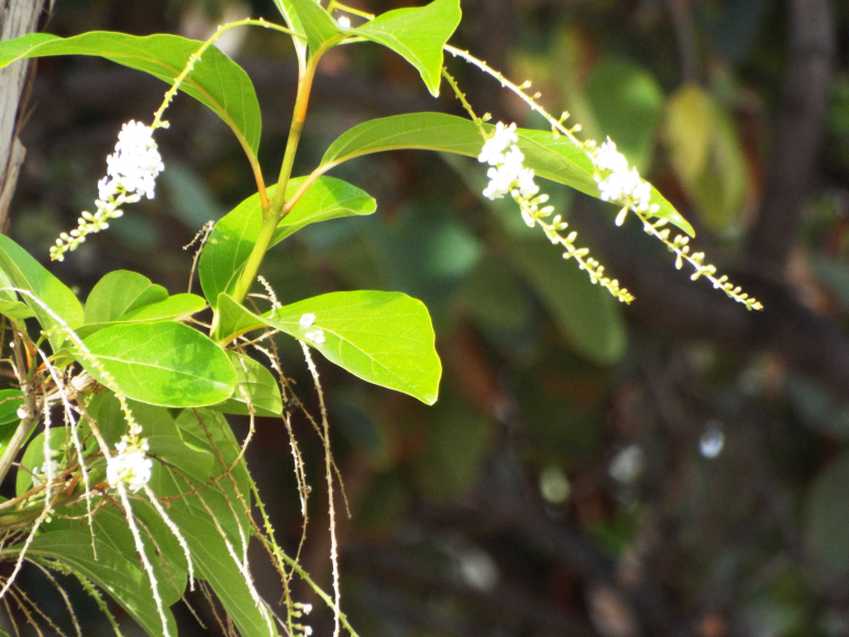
[[508, 175], [131, 173], [314, 335], [620, 183], [131, 465]]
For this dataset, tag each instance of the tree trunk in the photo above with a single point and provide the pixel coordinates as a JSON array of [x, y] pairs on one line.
[[17, 17]]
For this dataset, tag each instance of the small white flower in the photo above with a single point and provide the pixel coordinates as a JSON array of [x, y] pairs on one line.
[[315, 336], [307, 320], [344, 22], [620, 183], [23, 412], [131, 172], [609, 158], [136, 162], [131, 465], [495, 147]]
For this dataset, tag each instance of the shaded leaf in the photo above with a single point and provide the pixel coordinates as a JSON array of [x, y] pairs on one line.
[[586, 314], [256, 386], [10, 401]]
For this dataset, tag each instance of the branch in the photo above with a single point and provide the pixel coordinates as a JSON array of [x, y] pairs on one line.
[[798, 132], [17, 17]]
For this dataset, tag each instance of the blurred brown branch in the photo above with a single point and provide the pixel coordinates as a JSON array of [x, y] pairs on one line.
[[17, 17]]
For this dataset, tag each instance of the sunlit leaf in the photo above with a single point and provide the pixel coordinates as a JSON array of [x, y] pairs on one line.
[[166, 364], [418, 34], [553, 158], [234, 236], [216, 81]]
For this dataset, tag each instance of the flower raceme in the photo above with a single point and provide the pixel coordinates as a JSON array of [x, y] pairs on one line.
[[131, 465], [508, 174], [131, 172], [618, 182]]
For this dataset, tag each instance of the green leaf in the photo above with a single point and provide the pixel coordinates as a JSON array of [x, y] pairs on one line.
[[418, 34], [33, 457], [10, 400], [117, 568], [10, 306], [167, 364], [706, 153], [216, 81], [826, 516], [308, 18], [586, 314], [120, 292], [174, 308], [627, 103], [26, 273], [385, 338], [234, 319], [556, 159], [255, 386], [234, 236], [209, 430]]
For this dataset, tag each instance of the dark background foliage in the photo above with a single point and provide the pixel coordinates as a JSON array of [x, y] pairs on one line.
[[678, 467]]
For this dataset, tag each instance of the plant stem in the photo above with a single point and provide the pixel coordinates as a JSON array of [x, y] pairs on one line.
[[26, 426], [21, 435], [272, 214]]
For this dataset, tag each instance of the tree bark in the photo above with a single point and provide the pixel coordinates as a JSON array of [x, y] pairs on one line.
[[17, 17]]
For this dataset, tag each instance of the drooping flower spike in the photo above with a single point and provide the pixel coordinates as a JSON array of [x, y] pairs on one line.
[[131, 172], [508, 175]]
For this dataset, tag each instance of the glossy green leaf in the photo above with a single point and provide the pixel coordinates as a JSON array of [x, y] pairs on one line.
[[234, 319], [177, 307], [233, 238], [24, 272], [385, 338], [10, 306], [308, 18], [586, 314], [208, 430], [553, 158], [10, 401], [120, 292], [418, 34], [117, 569], [216, 81], [256, 387], [33, 458], [167, 364]]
